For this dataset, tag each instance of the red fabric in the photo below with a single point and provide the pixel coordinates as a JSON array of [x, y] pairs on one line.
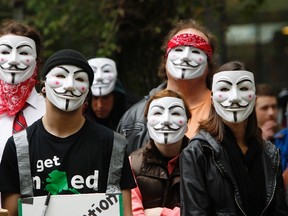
[[19, 122], [172, 163], [190, 40], [13, 97]]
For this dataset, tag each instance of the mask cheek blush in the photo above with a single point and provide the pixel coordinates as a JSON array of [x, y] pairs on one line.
[[219, 96], [181, 121], [172, 56], [2, 60], [82, 87], [250, 96], [152, 120], [53, 82]]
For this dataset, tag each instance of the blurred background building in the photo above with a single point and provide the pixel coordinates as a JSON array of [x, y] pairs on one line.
[[262, 43]]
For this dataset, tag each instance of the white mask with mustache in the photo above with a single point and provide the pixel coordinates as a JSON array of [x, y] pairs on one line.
[[67, 87], [105, 76], [167, 120], [186, 62], [233, 95], [17, 58]]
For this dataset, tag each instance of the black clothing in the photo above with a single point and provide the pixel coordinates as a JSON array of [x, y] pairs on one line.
[[208, 185], [247, 171], [78, 163]]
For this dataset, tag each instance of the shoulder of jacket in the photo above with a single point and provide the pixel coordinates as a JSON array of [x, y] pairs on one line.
[[136, 108], [202, 137], [160, 87], [136, 159], [140, 105], [270, 148], [204, 142]]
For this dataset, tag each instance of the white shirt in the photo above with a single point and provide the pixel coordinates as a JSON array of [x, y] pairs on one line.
[[36, 109]]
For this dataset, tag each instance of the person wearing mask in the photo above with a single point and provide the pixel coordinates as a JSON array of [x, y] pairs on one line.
[[187, 66], [108, 101], [266, 108], [156, 164], [228, 168], [66, 152], [20, 58]]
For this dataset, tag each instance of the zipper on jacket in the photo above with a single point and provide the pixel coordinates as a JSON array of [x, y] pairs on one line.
[[223, 175], [239, 205], [275, 180]]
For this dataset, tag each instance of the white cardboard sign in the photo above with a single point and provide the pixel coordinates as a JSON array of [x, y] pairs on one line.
[[95, 204]]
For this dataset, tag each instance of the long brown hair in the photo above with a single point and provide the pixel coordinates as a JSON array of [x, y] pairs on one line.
[[185, 24], [214, 124]]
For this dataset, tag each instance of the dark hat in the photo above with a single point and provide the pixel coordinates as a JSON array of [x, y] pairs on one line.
[[68, 57]]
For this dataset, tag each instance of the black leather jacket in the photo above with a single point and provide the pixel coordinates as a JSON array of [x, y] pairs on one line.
[[133, 124], [207, 184]]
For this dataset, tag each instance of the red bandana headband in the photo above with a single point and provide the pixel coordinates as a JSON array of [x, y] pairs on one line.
[[189, 39]]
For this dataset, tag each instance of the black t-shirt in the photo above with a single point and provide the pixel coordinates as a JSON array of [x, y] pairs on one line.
[[76, 164]]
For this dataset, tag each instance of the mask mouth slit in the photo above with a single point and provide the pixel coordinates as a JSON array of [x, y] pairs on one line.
[[235, 116], [67, 105]]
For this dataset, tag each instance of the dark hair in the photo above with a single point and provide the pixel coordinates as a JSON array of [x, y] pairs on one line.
[[185, 24], [231, 66], [20, 29], [166, 93], [264, 89], [214, 124]]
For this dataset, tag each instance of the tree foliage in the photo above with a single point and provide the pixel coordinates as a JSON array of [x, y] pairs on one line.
[[88, 26], [129, 31]]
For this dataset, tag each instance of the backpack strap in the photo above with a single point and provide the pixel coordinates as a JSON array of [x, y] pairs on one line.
[[116, 164], [22, 150]]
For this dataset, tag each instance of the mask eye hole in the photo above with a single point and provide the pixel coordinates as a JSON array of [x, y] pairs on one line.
[[224, 89], [178, 50], [80, 79], [60, 76], [157, 113], [244, 89], [175, 114], [196, 51], [5, 53]]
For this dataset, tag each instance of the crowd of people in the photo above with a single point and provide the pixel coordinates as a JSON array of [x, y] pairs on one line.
[[204, 142]]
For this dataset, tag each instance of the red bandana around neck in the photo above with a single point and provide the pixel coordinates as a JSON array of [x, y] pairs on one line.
[[13, 97], [189, 39]]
